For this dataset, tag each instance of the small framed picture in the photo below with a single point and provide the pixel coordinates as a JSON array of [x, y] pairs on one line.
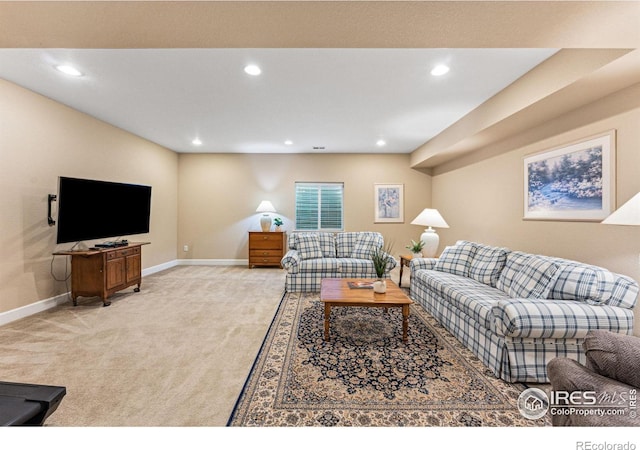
[[389, 203], [572, 183]]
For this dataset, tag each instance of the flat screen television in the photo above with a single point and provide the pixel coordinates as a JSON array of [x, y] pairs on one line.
[[92, 209]]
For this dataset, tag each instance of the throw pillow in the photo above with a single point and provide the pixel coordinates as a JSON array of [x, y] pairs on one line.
[[575, 281], [456, 259], [364, 246], [487, 264], [328, 245], [535, 278], [309, 246], [515, 262]]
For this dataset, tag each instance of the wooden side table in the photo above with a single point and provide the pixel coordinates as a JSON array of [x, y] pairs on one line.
[[266, 248], [405, 261]]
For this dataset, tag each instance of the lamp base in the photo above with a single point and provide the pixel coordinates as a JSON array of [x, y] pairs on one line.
[[265, 223], [431, 241]]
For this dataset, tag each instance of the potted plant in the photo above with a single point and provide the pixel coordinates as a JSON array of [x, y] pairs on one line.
[[381, 257], [278, 223], [415, 248]]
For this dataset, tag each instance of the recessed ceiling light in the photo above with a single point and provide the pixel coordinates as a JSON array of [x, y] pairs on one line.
[[69, 70], [288, 142], [381, 143], [196, 141], [252, 69], [439, 70]]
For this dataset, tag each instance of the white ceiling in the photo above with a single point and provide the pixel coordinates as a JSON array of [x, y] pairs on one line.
[[341, 99]]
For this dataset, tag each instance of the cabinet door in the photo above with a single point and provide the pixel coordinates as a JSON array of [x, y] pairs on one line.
[[133, 268], [115, 272]]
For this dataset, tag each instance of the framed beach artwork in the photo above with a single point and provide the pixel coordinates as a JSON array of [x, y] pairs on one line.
[[389, 203], [575, 182]]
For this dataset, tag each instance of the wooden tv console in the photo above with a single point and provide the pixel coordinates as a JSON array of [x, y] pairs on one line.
[[102, 272]]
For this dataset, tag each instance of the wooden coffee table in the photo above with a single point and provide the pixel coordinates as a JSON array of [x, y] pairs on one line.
[[336, 292]]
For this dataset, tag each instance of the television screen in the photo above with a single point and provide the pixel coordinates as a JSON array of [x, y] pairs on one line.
[[91, 209]]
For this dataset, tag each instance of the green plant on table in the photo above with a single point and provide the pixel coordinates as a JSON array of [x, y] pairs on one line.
[[415, 247], [381, 257], [277, 222]]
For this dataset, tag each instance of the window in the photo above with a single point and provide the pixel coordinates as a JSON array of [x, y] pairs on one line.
[[319, 206]]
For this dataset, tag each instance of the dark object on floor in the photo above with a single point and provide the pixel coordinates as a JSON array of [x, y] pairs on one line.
[[611, 376], [28, 404]]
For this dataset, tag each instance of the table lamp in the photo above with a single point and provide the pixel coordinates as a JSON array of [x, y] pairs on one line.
[[265, 207], [430, 218]]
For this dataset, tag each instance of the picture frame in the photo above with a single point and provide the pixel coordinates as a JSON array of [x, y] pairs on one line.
[[388, 203], [575, 182]]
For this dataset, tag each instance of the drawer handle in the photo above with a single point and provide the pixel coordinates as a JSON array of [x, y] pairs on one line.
[[265, 237]]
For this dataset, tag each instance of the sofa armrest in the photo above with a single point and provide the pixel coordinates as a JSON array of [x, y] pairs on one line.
[[423, 263], [614, 355], [391, 264], [568, 375], [291, 261], [564, 319]]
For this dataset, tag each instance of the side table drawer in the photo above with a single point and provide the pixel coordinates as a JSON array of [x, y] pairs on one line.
[[265, 241], [266, 260], [261, 253]]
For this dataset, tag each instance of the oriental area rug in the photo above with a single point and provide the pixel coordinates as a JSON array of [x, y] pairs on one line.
[[365, 376]]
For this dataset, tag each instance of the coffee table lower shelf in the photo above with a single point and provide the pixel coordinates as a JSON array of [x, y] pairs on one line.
[[336, 292]]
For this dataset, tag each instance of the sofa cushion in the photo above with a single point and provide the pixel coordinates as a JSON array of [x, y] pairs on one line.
[[465, 294], [456, 259], [535, 278], [356, 268], [320, 265], [364, 246], [345, 242], [487, 264], [309, 246]]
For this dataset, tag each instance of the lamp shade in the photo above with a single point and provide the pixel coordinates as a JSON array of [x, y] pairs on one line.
[[265, 206], [430, 218], [627, 214]]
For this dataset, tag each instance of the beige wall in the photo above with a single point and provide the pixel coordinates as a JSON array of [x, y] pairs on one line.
[[483, 201], [219, 193], [41, 140]]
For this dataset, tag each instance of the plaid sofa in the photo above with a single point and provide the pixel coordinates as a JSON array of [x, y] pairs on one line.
[[517, 311], [313, 256]]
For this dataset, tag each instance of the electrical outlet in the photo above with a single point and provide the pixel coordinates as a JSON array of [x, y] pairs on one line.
[[185, 248]]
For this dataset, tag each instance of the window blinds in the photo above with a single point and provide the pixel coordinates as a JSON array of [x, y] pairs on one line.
[[319, 206]]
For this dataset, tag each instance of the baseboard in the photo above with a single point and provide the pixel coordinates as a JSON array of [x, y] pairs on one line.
[[212, 262], [159, 268], [48, 303], [33, 308]]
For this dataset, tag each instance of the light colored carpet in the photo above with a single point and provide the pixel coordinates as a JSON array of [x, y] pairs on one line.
[[175, 354]]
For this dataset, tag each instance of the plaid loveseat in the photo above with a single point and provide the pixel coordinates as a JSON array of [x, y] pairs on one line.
[[517, 311], [313, 256]]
